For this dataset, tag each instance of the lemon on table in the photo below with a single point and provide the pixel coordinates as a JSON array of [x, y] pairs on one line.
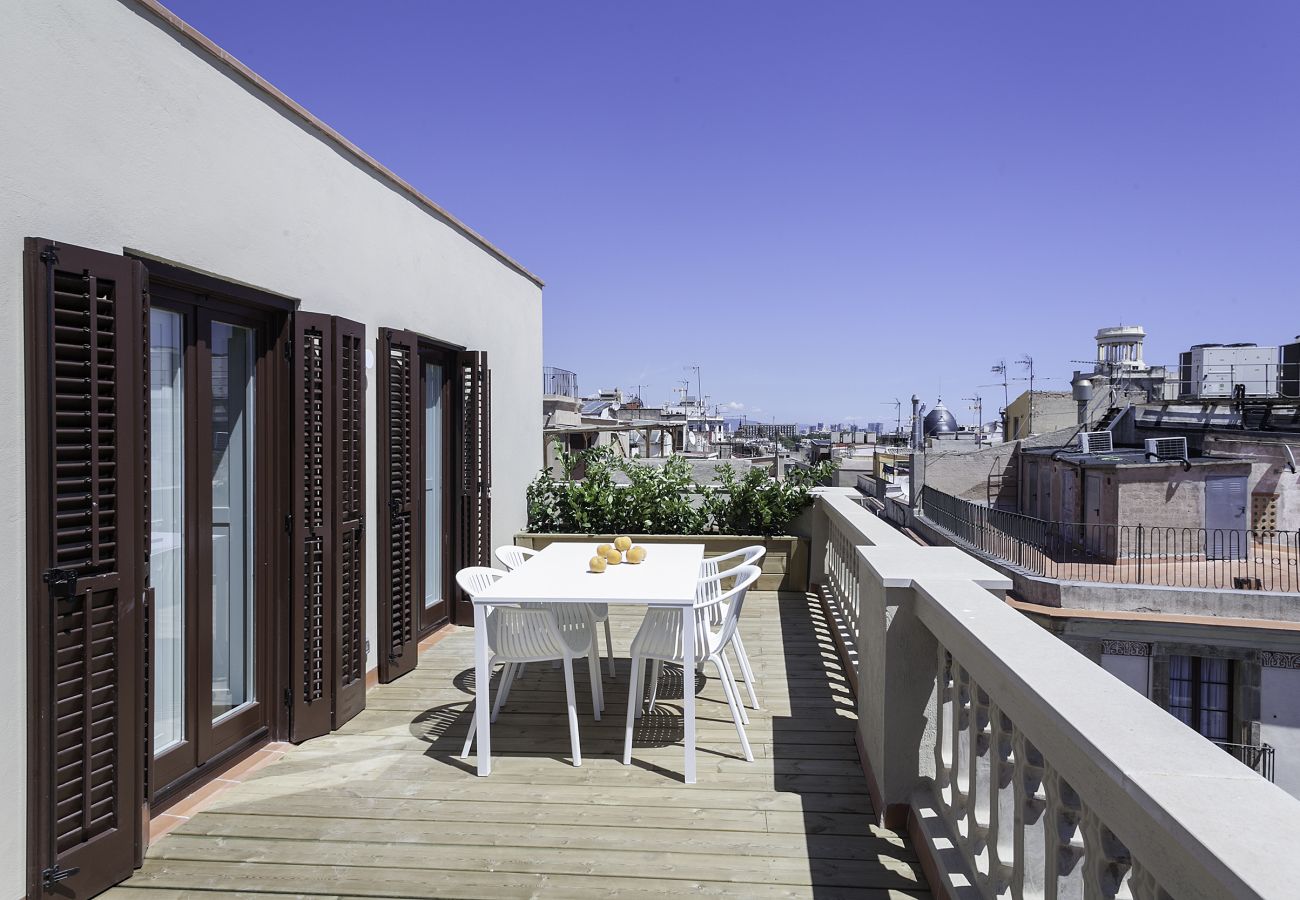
[[613, 557], [597, 563], [603, 550], [636, 555], [623, 543]]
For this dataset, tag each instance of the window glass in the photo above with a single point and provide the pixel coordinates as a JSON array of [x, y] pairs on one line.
[[167, 523]]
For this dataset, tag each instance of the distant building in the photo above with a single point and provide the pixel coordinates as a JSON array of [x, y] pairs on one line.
[[1037, 412], [768, 430]]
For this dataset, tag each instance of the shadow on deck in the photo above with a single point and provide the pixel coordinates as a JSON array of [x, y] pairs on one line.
[[384, 808]]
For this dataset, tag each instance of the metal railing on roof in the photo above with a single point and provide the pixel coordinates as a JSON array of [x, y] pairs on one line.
[[1160, 556], [559, 382]]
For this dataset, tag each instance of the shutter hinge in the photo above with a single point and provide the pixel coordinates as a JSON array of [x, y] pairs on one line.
[[50, 256], [62, 582], [288, 523], [52, 875], [394, 507], [288, 351]]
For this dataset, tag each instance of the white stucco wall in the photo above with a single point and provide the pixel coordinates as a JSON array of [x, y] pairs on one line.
[[1135, 671], [117, 133], [1279, 724]]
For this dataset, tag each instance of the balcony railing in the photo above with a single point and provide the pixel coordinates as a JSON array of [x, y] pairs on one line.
[[1023, 768], [559, 382], [1120, 554], [1259, 757]]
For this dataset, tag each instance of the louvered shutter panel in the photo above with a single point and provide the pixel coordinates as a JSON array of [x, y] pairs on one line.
[[399, 440], [349, 518], [84, 389], [474, 526], [310, 631]]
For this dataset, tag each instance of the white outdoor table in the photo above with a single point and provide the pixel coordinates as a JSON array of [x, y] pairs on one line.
[[558, 574]]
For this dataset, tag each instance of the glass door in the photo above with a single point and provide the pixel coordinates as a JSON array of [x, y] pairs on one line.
[[435, 506], [210, 663], [233, 432]]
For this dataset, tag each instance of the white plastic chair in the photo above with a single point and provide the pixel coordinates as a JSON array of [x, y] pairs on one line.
[[513, 557], [660, 639], [748, 556], [534, 633]]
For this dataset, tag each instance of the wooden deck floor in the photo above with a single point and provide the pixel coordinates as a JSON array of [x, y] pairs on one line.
[[384, 808]]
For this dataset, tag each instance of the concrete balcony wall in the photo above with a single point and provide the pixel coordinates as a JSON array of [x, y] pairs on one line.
[[1025, 769]]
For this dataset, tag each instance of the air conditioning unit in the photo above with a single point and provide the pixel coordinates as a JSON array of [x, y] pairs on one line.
[[1172, 448], [1096, 442]]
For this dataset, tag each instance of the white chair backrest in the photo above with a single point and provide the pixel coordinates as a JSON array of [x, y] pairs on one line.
[[712, 566], [715, 606], [513, 557], [734, 598], [748, 556], [520, 634], [474, 580]]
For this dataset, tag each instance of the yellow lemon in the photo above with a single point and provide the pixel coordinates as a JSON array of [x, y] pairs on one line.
[[603, 550], [597, 563], [613, 557], [636, 555], [623, 543]]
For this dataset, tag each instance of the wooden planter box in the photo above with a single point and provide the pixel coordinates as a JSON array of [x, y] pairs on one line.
[[785, 567]]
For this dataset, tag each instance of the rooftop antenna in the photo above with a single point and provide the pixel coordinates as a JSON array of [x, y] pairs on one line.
[[1028, 362], [977, 404], [1000, 368], [898, 414]]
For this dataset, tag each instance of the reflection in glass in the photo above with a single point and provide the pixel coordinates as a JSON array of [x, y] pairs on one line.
[[432, 484], [232, 517], [167, 523]]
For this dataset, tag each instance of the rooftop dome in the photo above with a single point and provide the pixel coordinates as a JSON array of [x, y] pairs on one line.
[[939, 420]]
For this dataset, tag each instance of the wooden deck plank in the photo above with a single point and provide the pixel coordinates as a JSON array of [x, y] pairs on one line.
[[384, 808]]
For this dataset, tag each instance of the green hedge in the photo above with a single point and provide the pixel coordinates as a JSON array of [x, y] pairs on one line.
[[665, 499]]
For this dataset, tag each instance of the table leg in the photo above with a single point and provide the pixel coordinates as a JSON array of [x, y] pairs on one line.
[[688, 690], [482, 702]]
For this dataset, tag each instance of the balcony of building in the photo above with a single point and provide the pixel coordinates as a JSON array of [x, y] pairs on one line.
[[918, 737]]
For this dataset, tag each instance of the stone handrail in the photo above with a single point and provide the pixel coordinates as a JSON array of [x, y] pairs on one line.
[[1026, 769]]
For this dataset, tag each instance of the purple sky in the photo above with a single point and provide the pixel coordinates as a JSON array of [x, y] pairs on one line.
[[827, 205]]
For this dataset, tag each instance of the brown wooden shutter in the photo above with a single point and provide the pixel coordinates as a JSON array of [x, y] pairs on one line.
[[349, 518], [474, 526], [399, 440], [85, 557], [310, 631]]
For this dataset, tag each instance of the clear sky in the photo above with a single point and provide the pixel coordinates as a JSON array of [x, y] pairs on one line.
[[828, 205]]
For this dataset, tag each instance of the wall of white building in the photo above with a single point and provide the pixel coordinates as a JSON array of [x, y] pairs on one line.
[[118, 133], [1279, 724]]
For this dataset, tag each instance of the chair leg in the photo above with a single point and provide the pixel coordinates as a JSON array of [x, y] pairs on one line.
[[735, 688], [738, 647], [634, 692], [599, 682], [593, 672], [507, 677], [656, 669], [469, 738], [733, 700], [573, 712], [609, 648], [637, 687]]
